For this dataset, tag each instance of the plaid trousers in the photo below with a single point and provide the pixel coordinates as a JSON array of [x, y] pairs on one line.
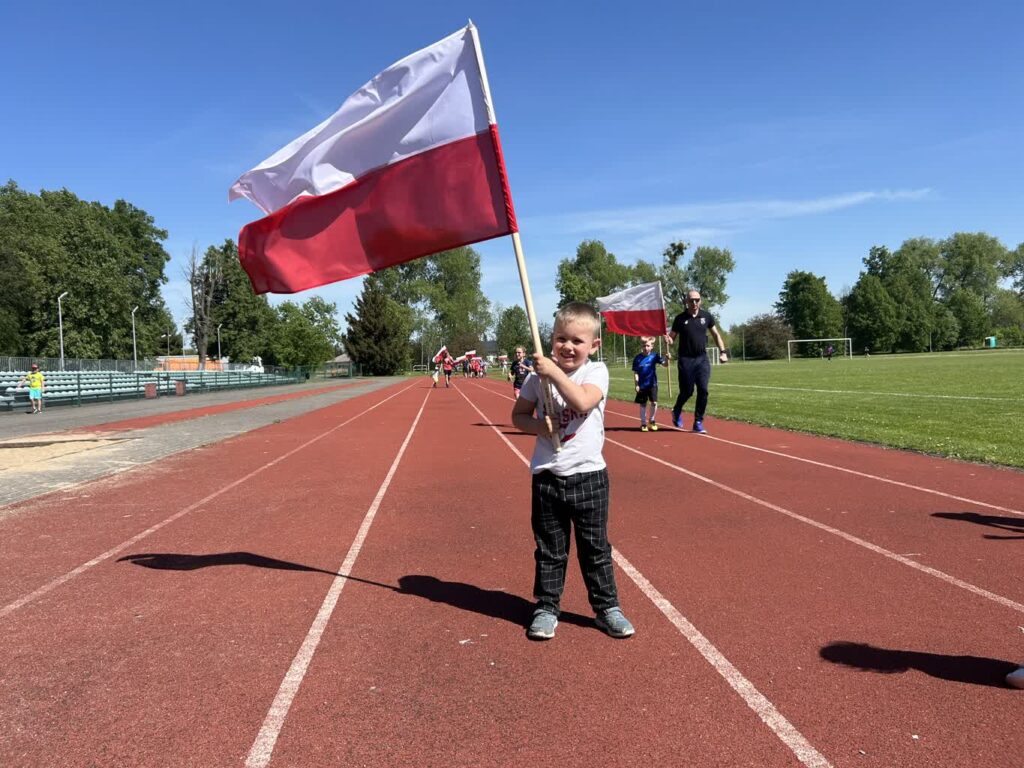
[[579, 502]]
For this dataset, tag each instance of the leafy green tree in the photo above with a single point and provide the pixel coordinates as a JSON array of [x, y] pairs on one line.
[[808, 308], [108, 259], [298, 341], [451, 285], [763, 337], [906, 279], [593, 272], [377, 331], [1013, 268], [873, 315], [708, 271], [513, 330], [969, 310], [972, 262], [945, 328], [1007, 317], [247, 321]]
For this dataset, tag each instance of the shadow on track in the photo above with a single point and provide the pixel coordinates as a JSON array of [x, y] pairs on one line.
[[1011, 524], [976, 670], [493, 603]]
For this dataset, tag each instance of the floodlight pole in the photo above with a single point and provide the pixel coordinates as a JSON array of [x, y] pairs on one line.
[[218, 347], [60, 324], [135, 351]]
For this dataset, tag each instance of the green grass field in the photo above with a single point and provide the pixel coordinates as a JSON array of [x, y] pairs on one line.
[[967, 405]]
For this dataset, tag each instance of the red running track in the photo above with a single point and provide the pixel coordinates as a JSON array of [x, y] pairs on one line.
[[171, 651]]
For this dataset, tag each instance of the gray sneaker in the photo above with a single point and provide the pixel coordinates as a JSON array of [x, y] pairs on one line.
[[543, 625], [614, 623]]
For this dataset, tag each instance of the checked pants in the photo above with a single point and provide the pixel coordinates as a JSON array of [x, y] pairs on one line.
[[578, 503]]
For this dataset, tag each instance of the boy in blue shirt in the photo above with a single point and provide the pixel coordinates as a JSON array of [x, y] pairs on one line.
[[645, 382]]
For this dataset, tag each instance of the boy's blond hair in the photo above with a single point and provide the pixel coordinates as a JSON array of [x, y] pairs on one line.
[[645, 339], [576, 311]]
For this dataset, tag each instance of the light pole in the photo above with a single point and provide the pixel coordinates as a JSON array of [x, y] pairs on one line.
[[168, 337], [135, 349], [60, 322], [218, 346]]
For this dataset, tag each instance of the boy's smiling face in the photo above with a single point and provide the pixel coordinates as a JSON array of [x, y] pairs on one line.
[[648, 346], [573, 342]]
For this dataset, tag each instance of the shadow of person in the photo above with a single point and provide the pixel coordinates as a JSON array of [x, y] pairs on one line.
[[976, 670], [169, 561], [1011, 524], [493, 603]]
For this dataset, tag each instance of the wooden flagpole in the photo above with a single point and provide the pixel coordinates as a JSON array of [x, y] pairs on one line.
[[517, 245]]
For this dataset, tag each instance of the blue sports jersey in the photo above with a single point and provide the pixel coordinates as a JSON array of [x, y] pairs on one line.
[[644, 366]]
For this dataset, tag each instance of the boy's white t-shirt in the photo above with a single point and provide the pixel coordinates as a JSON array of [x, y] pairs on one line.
[[582, 434]]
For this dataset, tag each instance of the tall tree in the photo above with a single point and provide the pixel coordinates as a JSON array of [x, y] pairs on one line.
[[593, 272], [972, 262], [247, 321], [205, 279], [807, 306], [762, 337], [451, 284], [299, 339], [513, 330], [969, 310], [707, 272], [377, 332], [873, 315]]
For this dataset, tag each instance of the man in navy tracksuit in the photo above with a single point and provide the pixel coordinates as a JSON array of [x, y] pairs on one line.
[[691, 328]]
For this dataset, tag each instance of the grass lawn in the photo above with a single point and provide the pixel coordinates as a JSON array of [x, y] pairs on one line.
[[967, 405]]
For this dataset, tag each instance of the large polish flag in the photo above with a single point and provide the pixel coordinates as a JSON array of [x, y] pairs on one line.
[[410, 165], [636, 311]]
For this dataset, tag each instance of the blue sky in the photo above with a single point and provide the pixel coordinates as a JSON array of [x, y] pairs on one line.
[[797, 135]]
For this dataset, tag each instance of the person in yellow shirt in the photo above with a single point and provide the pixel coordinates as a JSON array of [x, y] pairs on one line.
[[36, 384]]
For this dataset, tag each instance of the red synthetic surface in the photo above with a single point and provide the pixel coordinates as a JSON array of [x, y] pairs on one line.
[[424, 661]]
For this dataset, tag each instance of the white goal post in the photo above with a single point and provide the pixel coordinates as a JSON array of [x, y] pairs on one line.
[[847, 346], [713, 355]]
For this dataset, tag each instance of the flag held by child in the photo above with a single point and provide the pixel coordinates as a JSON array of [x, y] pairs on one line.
[[636, 311], [410, 165], [440, 354]]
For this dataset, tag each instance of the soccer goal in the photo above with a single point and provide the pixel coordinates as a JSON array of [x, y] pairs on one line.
[[818, 347], [713, 355]]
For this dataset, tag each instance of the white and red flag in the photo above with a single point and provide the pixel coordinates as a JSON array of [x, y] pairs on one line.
[[440, 354], [410, 165], [636, 311], [470, 353]]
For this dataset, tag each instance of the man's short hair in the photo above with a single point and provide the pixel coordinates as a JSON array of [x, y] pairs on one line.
[[575, 311]]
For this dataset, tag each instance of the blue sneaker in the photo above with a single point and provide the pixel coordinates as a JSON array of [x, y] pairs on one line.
[[677, 420], [614, 623], [543, 625], [698, 426]]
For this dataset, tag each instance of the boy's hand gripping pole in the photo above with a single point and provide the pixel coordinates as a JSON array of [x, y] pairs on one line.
[[531, 316]]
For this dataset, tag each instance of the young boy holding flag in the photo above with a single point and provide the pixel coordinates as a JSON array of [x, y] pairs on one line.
[[645, 382]]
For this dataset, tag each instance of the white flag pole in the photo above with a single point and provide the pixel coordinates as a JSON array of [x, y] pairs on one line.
[[517, 246]]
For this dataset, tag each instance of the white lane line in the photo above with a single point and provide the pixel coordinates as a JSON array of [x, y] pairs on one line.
[[22, 601], [914, 395], [762, 707], [834, 531], [263, 748], [854, 472]]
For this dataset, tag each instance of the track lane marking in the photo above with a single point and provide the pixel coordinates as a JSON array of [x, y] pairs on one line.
[[263, 748], [753, 698], [941, 575], [824, 465], [50, 586]]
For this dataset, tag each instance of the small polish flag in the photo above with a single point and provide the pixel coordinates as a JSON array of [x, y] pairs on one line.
[[440, 354], [410, 165], [470, 353], [636, 311]]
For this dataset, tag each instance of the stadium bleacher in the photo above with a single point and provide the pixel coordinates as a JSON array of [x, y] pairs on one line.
[[77, 387]]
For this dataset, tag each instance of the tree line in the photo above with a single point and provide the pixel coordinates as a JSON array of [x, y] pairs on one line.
[[926, 295]]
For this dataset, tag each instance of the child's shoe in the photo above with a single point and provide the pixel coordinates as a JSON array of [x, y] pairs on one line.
[[614, 623], [543, 625], [1016, 678], [643, 427], [653, 427]]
